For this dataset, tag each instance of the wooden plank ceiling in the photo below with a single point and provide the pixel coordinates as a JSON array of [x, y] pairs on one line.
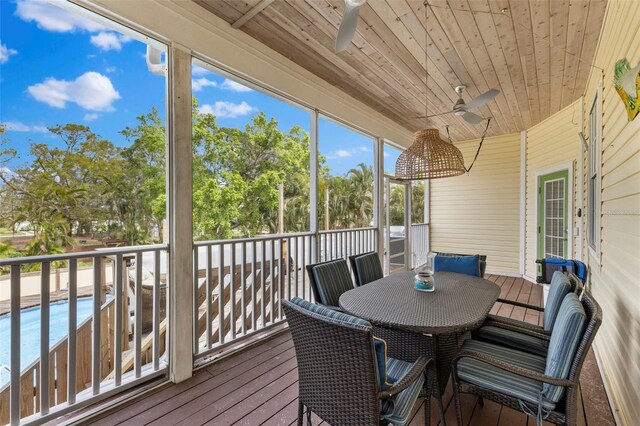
[[536, 52]]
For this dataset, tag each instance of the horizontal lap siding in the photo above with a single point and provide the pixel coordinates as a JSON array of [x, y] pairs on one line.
[[479, 213], [553, 142], [615, 275]]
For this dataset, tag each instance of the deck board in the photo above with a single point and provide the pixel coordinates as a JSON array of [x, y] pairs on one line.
[[259, 386]]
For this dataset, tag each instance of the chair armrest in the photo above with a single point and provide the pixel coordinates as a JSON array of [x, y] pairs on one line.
[[520, 327], [523, 372], [410, 376], [522, 305]]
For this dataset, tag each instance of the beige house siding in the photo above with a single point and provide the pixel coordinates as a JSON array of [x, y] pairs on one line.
[[615, 271], [551, 145], [479, 213]]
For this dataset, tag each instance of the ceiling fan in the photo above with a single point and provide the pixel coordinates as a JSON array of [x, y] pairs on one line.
[[461, 108], [349, 23]]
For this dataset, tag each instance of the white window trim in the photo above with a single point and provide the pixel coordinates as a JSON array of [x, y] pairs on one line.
[[594, 249]]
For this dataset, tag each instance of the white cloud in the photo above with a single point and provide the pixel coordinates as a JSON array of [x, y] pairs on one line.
[[234, 87], [6, 172], [106, 40], [18, 126], [92, 91], [342, 153], [111, 70], [5, 52], [200, 83], [196, 70], [49, 17], [223, 109], [386, 154], [90, 116]]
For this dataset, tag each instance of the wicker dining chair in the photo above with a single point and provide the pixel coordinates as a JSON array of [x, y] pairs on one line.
[[482, 260], [522, 335], [328, 281], [543, 387], [366, 267], [339, 370]]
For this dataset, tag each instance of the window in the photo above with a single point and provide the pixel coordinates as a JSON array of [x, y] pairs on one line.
[[593, 196]]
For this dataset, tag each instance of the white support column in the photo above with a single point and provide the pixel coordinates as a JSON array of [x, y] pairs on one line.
[[408, 253], [378, 197], [523, 198], [179, 203], [313, 196], [427, 211]]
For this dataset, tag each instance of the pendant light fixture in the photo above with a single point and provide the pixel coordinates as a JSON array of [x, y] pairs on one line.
[[430, 157]]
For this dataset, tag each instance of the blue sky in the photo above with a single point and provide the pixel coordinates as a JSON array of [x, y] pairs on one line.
[[57, 67]]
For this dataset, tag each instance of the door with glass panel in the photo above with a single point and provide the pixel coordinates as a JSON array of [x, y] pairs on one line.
[[553, 202]]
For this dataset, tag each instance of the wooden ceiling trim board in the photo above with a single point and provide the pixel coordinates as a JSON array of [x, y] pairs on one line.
[[386, 69], [524, 36], [467, 27], [588, 50], [540, 19], [495, 70], [259, 7], [446, 22], [221, 9], [559, 17], [509, 44], [578, 12]]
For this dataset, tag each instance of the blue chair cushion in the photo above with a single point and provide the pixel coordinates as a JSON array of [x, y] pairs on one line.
[[380, 346], [560, 286], [330, 313], [368, 268], [397, 409], [498, 380], [332, 279], [469, 265], [565, 338], [513, 339]]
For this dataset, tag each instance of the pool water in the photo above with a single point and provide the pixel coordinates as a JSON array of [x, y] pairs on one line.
[[30, 332]]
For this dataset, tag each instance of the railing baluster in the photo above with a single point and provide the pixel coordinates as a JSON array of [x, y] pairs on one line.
[[272, 282], [45, 271], [304, 267], [117, 344], [287, 256], [232, 291], [254, 290], [15, 345], [297, 257], [137, 355], [73, 324], [263, 280], [243, 288], [280, 277], [209, 290], [95, 329], [156, 310], [221, 301], [196, 306]]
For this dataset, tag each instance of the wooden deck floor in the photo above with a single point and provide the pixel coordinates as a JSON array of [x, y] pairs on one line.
[[258, 386]]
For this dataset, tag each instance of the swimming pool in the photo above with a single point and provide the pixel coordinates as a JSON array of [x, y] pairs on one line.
[[30, 332]]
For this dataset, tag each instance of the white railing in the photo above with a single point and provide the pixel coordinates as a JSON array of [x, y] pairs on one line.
[[101, 355], [239, 283], [419, 244]]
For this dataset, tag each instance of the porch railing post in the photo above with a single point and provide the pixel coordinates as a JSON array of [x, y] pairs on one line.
[[180, 309], [313, 198], [378, 198]]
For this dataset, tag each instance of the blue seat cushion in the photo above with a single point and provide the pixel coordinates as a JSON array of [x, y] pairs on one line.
[[513, 339], [330, 313], [332, 279], [397, 409], [565, 338], [496, 379], [560, 286], [469, 265], [368, 268]]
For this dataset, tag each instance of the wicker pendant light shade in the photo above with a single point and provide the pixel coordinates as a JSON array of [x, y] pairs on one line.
[[429, 157]]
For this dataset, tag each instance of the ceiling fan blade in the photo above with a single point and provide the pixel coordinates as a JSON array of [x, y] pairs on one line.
[[349, 24], [472, 118], [482, 99]]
